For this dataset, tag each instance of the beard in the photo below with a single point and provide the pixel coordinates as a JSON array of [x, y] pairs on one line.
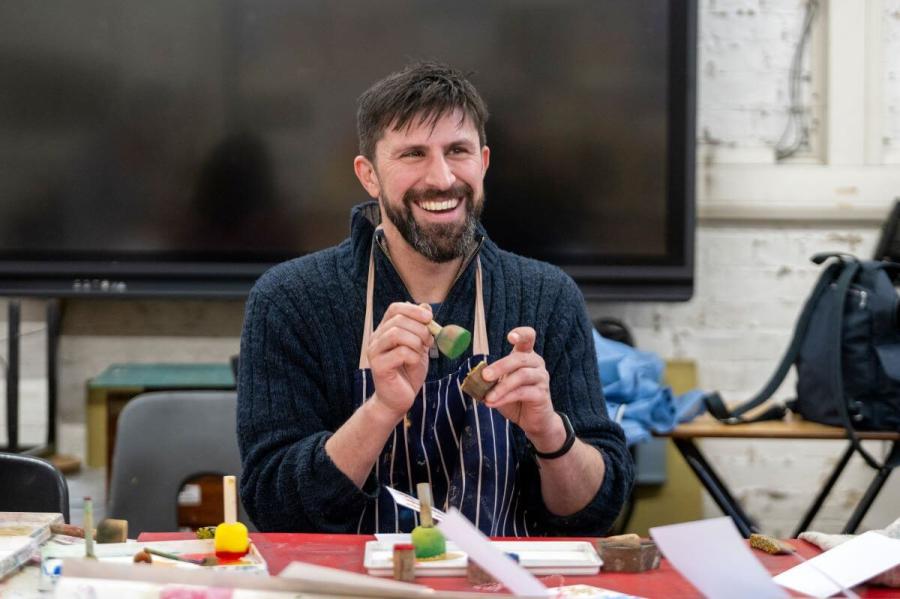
[[438, 242]]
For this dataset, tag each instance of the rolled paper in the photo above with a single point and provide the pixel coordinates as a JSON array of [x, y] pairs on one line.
[[89, 528], [423, 490]]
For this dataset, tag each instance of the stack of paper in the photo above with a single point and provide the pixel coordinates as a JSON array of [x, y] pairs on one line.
[[21, 533]]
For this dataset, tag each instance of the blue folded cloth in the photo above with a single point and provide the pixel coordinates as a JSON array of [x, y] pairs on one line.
[[635, 395]]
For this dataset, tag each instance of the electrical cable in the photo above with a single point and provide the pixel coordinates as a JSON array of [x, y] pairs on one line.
[[797, 125]]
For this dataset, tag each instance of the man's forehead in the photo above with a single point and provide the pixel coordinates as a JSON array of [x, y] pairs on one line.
[[424, 126]]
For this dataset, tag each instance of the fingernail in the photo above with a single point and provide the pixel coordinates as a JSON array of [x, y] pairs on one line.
[[487, 373]]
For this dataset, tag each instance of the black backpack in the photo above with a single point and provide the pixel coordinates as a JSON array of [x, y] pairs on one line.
[[846, 347]]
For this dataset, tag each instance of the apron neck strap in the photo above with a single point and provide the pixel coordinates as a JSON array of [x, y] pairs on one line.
[[480, 338]]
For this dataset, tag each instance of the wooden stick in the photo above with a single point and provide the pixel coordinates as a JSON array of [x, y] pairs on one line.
[[425, 502], [206, 561], [229, 492], [89, 528]]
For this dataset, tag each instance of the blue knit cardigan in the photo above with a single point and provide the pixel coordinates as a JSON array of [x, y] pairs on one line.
[[300, 347]]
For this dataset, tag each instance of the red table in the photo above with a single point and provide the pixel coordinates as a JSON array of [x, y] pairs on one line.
[[345, 552]]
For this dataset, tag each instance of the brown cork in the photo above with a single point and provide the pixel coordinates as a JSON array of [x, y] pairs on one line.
[[404, 562]]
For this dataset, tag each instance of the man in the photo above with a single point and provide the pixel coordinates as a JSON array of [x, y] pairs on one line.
[[333, 409]]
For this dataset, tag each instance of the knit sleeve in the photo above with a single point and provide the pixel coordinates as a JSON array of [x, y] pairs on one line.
[[289, 483], [575, 389]]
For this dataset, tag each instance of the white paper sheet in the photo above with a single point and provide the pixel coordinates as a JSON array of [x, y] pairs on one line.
[[849, 563], [478, 547], [714, 557], [412, 503]]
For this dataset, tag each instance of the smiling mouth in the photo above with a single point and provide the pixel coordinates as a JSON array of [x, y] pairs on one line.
[[439, 205]]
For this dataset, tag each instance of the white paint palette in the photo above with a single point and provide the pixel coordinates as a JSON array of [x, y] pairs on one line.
[[538, 557]]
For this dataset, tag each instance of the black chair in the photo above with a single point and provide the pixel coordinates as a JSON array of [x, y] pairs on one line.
[[32, 485]]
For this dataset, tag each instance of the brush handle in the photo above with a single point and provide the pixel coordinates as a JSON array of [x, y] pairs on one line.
[[434, 328], [171, 556], [229, 493], [423, 490], [88, 527]]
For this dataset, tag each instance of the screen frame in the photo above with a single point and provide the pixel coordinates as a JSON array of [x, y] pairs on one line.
[[158, 276]]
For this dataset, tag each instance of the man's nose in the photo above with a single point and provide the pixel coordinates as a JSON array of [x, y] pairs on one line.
[[439, 174]]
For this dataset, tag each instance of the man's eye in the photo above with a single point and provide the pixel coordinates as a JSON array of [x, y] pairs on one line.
[[459, 150], [412, 154]]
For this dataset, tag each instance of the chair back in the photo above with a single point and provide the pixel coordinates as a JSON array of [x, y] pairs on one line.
[[163, 440], [32, 485]]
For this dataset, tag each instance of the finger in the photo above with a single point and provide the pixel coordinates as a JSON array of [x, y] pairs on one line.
[[397, 336], [525, 395], [519, 378], [522, 339], [420, 313], [395, 359], [511, 363], [401, 321]]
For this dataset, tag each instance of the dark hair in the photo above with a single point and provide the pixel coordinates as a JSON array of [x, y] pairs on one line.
[[425, 91]]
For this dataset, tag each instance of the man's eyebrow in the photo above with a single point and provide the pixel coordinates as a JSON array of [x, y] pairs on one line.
[[408, 148]]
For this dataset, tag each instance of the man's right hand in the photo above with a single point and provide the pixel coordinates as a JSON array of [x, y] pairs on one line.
[[398, 356]]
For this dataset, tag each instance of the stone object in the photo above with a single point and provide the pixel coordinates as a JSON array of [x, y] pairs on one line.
[[619, 557]]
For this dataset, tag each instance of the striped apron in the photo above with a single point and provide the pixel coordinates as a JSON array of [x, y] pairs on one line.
[[460, 446]]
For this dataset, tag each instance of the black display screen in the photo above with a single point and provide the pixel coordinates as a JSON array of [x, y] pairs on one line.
[[180, 147]]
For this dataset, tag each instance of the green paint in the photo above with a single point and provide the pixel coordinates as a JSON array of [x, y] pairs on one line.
[[428, 541]]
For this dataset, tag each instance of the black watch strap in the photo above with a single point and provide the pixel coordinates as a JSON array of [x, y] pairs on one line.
[[566, 446]]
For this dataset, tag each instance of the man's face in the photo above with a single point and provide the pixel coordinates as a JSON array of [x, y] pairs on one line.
[[429, 183]]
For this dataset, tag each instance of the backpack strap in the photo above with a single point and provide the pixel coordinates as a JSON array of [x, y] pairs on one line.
[[714, 402], [834, 349]]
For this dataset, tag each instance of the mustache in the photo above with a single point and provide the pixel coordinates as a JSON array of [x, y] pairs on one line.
[[457, 190]]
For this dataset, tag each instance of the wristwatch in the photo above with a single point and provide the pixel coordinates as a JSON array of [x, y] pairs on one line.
[[566, 446]]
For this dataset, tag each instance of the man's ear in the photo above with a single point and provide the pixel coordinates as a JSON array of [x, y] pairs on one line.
[[485, 159], [365, 172]]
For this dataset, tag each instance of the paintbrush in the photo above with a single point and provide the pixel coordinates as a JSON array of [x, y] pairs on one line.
[[452, 340], [206, 561]]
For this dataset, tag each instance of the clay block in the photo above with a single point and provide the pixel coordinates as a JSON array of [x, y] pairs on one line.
[[618, 557]]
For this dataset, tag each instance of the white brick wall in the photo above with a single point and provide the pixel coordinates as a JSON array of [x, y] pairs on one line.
[[752, 277]]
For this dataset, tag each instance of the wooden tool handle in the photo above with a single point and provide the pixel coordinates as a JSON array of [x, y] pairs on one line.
[[425, 503], [434, 328], [229, 492]]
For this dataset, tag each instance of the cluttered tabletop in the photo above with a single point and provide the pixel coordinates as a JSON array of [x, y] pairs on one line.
[[65, 561]]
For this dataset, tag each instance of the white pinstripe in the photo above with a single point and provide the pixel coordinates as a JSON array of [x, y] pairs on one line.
[[437, 412], [480, 462]]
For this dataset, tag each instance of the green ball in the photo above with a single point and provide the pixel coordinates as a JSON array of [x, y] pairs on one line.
[[428, 542]]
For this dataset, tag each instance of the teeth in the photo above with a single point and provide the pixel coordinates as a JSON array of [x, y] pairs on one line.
[[436, 206]]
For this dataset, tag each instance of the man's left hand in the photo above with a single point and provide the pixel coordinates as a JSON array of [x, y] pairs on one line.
[[522, 394]]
